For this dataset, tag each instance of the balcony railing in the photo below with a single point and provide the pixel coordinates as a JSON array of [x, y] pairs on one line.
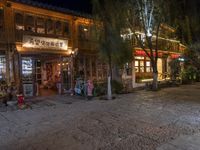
[[163, 44], [19, 36]]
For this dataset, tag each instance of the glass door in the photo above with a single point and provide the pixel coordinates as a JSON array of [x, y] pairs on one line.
[[27, 76]]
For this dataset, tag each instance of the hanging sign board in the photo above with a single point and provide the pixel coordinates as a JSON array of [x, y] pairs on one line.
[[44, 43]]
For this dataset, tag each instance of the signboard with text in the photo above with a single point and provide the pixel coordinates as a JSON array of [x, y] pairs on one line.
[[44, 43]]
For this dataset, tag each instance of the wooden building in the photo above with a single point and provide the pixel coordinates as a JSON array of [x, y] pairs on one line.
[[39, 44]]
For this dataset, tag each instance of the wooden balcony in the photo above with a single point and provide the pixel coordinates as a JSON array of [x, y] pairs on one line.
[[164, 45], [19, 36]]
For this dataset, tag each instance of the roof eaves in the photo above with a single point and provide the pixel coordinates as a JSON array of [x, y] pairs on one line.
[[53, 8]]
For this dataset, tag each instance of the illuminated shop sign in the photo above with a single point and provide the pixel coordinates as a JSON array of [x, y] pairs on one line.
[[44, 43]]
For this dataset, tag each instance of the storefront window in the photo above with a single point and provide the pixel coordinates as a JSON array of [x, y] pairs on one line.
[[58, 28], [128, 68], [2, 67], [19, 23], [40, 25], [50, 27], [102, 69], [30, 24], [148, 66], [1, 19], [136, 66], [139, 64], [27, 69], [142, 64]]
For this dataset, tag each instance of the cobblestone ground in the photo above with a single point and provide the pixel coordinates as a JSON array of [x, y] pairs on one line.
[[143, 120]]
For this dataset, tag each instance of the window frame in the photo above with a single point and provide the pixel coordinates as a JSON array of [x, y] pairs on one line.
[[19, 26], [2, 67], [65, 34], [40, 26], [30, 27], [83, 32], [57, 32], [144, 60], [52, 25]]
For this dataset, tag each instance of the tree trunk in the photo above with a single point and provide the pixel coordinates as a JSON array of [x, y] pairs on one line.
[[109, 96], [155, 81], [109, 87], [155, 76]]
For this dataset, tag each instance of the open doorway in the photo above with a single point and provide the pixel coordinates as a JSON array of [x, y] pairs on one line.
[[50, 73]]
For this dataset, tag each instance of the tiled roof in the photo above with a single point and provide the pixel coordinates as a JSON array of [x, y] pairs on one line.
[[53, 8]]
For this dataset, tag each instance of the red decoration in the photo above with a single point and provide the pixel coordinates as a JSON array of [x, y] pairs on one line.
[[142, 53], [174, 56]]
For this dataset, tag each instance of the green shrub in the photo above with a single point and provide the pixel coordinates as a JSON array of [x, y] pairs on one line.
[[190, 74], [117, 87], [100, 89]]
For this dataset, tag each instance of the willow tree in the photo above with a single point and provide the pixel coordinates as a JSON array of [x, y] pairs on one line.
[[144, 19], [109, 20]]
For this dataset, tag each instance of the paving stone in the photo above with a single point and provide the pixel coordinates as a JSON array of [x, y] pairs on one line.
[[143, 120]]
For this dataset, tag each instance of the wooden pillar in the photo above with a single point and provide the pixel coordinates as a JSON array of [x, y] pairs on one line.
[[60, 86], [7, 65], [19, 81], [133, 73], [90, 65], [84, 66], [96, 65]]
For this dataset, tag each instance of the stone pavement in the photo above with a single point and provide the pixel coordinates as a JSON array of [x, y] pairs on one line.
[[186, 142], [165, 120]]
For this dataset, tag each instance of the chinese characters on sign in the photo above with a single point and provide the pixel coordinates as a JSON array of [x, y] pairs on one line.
[[44, 43]]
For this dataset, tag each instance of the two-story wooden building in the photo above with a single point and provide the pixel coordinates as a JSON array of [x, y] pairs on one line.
[[39, 43], [140, 70]]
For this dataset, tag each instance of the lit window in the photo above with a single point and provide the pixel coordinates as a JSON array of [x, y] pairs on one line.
[[2, 67], [84, 32], [50, 27], [27, 69], [139, 57], [148, 66], [40, 25], [136, 66]]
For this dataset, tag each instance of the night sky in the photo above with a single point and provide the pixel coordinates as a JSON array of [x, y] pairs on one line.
[[76, 5], [85, 5]]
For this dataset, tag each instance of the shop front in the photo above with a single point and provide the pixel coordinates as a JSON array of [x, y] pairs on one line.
[[45, 66], [143, 67]]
